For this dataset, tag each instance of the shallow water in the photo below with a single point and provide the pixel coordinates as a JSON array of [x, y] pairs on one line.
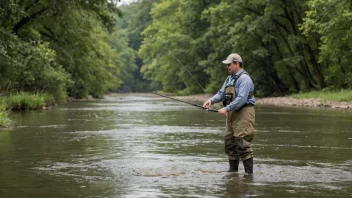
[[147, 146]]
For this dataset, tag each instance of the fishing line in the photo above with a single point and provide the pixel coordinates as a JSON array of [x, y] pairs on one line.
[[178, 60]]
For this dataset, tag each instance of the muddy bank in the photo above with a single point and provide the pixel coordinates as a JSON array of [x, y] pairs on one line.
[[311, 102], [72, 99], [280, 101]]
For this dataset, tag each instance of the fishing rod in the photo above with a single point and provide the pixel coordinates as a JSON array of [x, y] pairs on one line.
[[184, 102], [178, 60]]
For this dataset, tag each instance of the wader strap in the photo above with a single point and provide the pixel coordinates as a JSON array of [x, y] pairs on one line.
[[250, 94]]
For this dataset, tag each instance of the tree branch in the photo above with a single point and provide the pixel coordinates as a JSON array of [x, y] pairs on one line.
[[31, 5], [25, 20]]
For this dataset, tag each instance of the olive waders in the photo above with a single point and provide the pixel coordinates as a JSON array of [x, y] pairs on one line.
[[239, 131]]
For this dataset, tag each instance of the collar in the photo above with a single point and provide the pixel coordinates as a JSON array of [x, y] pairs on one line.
[[237, 73]]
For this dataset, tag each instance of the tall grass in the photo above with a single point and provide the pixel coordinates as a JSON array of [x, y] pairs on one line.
[[4, 118], [25, 101], [340, 96]]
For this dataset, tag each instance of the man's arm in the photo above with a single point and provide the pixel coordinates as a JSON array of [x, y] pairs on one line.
[[216, 98]]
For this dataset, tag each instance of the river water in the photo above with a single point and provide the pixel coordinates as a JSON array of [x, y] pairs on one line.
[[147, 146]]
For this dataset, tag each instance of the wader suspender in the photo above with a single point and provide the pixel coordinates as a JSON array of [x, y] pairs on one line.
[[250, 94]]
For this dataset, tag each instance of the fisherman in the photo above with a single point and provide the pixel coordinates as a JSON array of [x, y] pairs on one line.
[[238, 100]]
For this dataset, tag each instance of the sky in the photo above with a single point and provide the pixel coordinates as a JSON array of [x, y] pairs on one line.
[[122, 2]]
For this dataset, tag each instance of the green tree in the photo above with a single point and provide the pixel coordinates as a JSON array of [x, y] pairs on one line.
[[202, 33], [59, 47], [329, 23], [136, 18], [266, 33], [174, 46]]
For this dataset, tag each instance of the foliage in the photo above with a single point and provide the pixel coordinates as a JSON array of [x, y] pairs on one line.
[[4, 119], [331, 21], [25, 101], [287, 46], [60, 47], [173, 46], [327, 95], [76, 48], [136, 18], [33, 67]]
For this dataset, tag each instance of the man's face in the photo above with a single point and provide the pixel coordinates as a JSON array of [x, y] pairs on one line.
[[233, 68]]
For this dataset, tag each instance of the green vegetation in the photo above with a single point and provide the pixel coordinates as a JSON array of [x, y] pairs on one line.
[[4, 120], [92, 47], [62, 48], [22, 101], [340, 96], [25, 101], [136, 17], [287, 46]]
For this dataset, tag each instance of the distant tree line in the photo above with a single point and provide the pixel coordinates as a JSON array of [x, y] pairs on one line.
[[77, 48], [287, 46]]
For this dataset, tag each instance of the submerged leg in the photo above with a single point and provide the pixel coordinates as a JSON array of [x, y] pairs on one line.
[[233, 165], [248, 165]]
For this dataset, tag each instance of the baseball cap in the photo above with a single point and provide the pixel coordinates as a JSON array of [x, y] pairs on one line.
[[232, 58]]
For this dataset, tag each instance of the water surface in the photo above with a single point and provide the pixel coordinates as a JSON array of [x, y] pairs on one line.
[[146, 146]]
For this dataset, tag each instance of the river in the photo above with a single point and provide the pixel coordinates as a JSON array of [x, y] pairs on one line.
[[147, 146]]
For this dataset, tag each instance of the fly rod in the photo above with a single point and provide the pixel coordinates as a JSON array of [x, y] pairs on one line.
[[184, 102], [180, 63]]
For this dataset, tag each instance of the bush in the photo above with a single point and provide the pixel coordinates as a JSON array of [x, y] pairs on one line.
[[25, 101], [4, 119]]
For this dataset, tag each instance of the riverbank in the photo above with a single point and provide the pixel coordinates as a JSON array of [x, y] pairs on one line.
[[281, 101], [21, 101], [4, 118], [307, 102]]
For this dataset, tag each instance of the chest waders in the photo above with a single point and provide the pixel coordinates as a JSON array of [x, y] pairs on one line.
[[239, 129]]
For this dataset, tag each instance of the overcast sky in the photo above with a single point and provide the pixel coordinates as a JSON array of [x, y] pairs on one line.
[[122, 2]]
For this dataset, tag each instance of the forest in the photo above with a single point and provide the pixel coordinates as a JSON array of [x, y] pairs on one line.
[[78, 48], [62, 48], [287, 46]]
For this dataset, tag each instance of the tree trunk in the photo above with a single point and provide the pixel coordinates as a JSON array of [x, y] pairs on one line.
[[316, 67]]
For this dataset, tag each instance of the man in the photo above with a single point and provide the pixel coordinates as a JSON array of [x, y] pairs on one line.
[[238, 99]]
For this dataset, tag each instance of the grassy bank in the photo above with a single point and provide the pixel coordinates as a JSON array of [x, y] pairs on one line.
[[4, 119], [338, 96], [21, 101], [26, 101]]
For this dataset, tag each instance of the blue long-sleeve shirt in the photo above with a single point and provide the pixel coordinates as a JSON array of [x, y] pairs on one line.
[[243, 87]]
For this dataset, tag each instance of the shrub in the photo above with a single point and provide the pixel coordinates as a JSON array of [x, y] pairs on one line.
[[25, 101], [4, 118]]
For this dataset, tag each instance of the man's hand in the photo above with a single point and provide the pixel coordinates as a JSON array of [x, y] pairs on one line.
[[207, 104], [222, 111]]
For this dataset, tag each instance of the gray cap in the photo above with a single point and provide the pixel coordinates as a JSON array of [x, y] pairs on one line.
[[232, 58]]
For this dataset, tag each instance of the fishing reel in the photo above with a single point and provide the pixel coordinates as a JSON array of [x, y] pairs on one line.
[[227, 99]]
